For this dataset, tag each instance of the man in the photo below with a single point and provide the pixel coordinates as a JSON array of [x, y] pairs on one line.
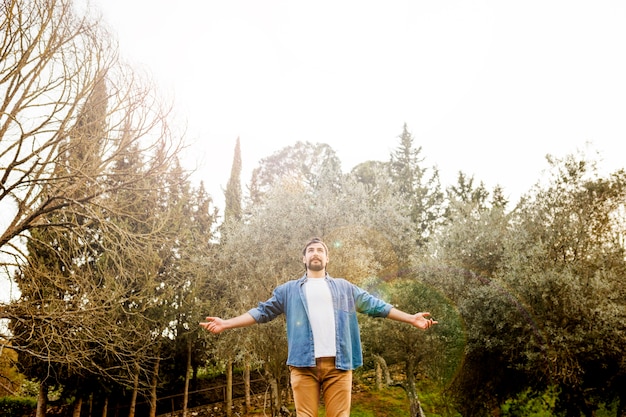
[[323, 338]]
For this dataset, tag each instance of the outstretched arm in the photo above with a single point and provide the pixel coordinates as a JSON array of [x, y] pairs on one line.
[[419, 320], [218, 325]]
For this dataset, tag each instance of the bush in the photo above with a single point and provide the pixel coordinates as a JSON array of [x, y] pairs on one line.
[[17, 406]]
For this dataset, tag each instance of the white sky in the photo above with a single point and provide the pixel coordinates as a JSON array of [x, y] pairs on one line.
[[486, 87]]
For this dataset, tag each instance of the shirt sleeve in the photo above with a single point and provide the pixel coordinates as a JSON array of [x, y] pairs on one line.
[[268, 310], [368, 304]]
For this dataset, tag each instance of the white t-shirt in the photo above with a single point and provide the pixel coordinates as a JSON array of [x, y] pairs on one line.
[[321, 316]]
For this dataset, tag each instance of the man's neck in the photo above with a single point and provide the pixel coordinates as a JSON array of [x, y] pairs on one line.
[[315, 274]]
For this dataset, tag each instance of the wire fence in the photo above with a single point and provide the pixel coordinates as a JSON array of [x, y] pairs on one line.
[[214, 396]]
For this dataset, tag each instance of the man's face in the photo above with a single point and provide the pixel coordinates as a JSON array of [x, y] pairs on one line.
[[315, 257]]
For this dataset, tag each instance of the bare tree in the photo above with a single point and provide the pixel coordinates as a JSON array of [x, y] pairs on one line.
[[83, 145], [53, 62]]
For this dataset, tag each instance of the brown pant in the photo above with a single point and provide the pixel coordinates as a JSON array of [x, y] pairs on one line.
[[334, 384]]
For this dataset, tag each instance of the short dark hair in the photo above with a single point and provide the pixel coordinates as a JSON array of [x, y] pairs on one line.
[[312, 241]]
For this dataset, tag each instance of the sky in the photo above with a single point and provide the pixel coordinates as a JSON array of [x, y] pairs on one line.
[[485, 87]]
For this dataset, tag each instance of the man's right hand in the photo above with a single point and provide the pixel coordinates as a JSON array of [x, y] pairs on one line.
[[217, 325], [214, 324]]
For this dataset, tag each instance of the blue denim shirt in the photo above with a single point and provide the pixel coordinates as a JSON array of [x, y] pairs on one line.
[[348, 299]]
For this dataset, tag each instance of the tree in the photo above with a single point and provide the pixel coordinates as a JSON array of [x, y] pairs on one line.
[[312, 166], [189, 265], [431, 357], [464, 191], [233, 216], [88, 316], [421, 194], [148, 288], [70, 114], [10, 378], [264, 251], [64, 257], [375, 176], [232, 208], [545, 279], [468, 253], [54, 61], [565, 263], [473, 237]]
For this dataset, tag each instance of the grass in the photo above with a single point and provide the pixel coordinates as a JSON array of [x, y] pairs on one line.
[[390, 402]]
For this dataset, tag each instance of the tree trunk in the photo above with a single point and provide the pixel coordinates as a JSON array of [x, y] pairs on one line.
[[105, 407], [379, 377], [42, 400], [621, 404], [382, 373], [274, 395], [78, 405], [247, 386], [133, 398], [229, 388], [411, 390], [187, 375], [153, 387]]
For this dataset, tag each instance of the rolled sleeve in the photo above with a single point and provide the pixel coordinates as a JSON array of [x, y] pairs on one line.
[[268, 310], [368, 304]]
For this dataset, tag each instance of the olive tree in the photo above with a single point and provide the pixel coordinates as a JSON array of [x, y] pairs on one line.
[[565, 262], [540, 292], [264, 250], [467, 254], [428, 360]]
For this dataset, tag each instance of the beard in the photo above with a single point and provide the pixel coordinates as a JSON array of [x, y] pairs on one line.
[[318, 266]]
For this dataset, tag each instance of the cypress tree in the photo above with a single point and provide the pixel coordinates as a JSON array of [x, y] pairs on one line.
[[232, 210]]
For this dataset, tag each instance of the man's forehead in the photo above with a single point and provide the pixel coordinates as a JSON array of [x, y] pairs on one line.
[[315, 244]]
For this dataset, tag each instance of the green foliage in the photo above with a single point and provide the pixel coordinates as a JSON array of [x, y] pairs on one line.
[[417, 187], [549, 309], [473, 238], [566, 264], [29, 388], [311, 166], [434, 355], [438, 351], [17, 406], [529, 404], [543, 404]]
